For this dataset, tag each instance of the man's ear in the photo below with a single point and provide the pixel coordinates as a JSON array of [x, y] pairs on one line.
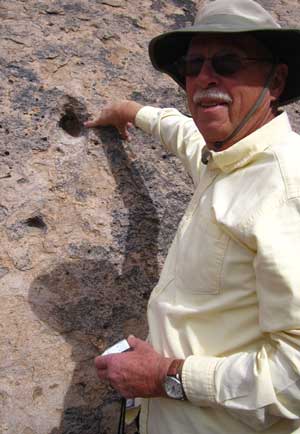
[[278, 82]]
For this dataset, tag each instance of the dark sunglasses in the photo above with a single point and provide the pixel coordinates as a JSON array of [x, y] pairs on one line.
[[223, 64]]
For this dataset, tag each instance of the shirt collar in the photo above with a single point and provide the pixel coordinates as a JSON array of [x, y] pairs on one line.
[[244, 151]]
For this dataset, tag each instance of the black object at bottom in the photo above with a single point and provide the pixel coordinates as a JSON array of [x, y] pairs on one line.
[[121, 428]]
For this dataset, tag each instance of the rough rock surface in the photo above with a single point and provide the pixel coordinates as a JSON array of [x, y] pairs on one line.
[[85, 219]]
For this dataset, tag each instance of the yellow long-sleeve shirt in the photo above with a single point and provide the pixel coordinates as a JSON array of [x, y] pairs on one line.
[[228, 299]]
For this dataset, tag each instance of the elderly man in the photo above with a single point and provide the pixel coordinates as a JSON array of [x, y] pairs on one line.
[[223, 355]]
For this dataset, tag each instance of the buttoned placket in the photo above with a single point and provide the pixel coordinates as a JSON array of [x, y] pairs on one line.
[[208, 177]]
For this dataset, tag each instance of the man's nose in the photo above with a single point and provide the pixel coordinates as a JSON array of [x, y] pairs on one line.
[[207, 75]]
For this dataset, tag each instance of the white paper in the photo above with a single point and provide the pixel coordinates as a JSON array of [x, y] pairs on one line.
[[119, 347]]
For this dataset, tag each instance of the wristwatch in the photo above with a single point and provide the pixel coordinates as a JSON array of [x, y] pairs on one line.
[[172, 383]]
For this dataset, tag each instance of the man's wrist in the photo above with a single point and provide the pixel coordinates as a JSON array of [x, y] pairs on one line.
[[163, 367], [168, 367], [173, 382], [175, 367], [130, 110]]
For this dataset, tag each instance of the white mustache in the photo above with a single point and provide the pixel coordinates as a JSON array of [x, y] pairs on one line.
[[213, 94]]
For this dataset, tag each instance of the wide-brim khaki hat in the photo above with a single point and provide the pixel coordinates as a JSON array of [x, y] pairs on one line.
[[232, 17]]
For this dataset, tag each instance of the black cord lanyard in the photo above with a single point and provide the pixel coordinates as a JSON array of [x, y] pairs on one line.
[[121, 428], [253, 109]]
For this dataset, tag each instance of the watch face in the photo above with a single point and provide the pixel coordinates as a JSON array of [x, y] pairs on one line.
[[173, 388]]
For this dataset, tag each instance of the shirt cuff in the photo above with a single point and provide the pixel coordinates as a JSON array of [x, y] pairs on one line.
[[198, 379], [146, 117]]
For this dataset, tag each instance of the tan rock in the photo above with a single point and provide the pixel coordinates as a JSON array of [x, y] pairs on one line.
[[85, 220]]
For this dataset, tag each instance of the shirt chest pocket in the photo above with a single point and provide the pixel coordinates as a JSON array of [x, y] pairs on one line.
[[200, 252]]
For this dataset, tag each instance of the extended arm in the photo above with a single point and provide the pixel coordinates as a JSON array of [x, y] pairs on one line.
[[176, 132]]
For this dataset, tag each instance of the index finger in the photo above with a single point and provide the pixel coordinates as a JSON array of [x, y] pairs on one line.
[[95, 123], [101, 362]]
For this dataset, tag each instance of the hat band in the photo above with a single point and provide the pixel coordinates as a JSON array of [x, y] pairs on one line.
[[228, 23]]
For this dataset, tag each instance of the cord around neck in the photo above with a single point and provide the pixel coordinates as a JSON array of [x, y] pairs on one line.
[[219, 144]]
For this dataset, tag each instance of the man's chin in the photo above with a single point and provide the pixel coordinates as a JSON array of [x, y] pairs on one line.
[[214, 130], [211, 136]]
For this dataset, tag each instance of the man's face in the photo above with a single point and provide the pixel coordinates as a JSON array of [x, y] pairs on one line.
[[217, 117]]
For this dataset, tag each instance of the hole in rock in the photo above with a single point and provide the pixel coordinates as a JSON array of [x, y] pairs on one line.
[[71, 124], [36, 222]]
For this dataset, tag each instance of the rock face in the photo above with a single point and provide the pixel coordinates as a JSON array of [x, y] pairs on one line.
[[85, 219]]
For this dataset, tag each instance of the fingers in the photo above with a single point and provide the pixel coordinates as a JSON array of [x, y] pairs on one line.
[[99, 122], [133, 341], [120, 114], [123, 131], [90, 124], [105, 118], [102, 122], [101, 362], [102, 374]]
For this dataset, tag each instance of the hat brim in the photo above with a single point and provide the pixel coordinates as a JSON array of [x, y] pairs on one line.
[[165, 49]]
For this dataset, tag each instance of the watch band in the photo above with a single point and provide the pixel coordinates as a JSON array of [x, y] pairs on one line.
[[175, 368], [173, 384]]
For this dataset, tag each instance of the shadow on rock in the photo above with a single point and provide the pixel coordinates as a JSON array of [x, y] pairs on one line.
[[94, 302], [91, 306], [140, 241]]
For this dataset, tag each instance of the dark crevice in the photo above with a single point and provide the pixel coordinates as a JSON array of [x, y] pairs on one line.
[[70, 123], [36, 222], [73, 114]]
